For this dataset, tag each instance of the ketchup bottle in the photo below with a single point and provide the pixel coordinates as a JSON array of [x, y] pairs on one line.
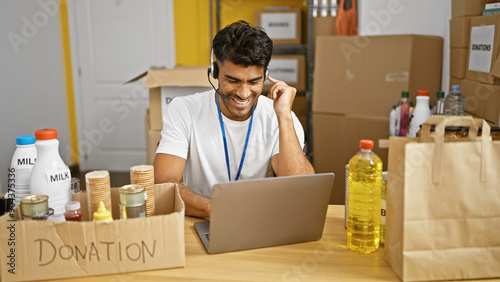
[[73, 211]]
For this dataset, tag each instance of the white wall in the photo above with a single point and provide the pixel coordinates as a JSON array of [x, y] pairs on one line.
[[425, 17], [32, 85]]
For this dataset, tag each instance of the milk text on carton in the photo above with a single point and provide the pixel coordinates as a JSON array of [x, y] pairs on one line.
[[48, 252]]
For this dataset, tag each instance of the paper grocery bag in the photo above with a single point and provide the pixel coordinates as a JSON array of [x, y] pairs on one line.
[[443, 204]]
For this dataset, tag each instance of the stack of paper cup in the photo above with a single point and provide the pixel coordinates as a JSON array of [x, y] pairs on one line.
[[98, 189], [144, 175]]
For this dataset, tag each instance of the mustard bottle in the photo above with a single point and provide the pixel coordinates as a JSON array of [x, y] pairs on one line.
[[102, 214]]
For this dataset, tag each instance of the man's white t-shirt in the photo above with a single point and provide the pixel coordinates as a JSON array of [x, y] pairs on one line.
[[191, 130]]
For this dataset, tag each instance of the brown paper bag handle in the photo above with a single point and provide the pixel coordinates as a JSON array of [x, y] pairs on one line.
[[426, 126], [473, 128]]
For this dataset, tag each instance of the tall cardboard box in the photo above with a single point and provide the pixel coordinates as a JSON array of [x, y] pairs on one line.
[[336, 140], [459, 32], [365, 75], [461, 8], [482, 100], [356, 82], [458, 62], [484, 49], [166, 84]]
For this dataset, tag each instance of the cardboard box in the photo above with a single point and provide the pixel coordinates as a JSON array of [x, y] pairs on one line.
[[482, 100], [324, 26], [454, 81], [166, 84], [336, 140], [483, 50], [153, 138], [365, 75], [458, 62], [459, 32], [461, 8], [299, 107], [283, 26], [51, 250], [288, 68]]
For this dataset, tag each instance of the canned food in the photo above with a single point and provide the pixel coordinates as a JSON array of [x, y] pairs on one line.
[[36, 207], [346, 195], [495, 133], [132, 201], [450, 132]]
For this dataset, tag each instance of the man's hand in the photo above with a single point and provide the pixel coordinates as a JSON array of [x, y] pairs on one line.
[[283, 96]]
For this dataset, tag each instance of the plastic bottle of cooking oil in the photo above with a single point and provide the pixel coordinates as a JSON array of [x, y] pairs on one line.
[[365, 179]]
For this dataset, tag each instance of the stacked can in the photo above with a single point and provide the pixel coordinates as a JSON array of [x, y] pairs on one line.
[[346, 194]]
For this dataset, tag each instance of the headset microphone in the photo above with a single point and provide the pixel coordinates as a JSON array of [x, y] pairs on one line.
[[216, 91]]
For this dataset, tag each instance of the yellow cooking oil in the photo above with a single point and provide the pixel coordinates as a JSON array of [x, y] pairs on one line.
[[365, 179]]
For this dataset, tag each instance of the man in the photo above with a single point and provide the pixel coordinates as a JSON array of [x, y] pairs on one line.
[[232, 132]]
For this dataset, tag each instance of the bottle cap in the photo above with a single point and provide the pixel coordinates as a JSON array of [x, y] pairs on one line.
[[46, 134], [57, 218], [366, 144], [440, 94], [394, 106], [25, 140], [102, 214], [455, 87], [72, 206], [423, 93], [405, 94], [384, 175]]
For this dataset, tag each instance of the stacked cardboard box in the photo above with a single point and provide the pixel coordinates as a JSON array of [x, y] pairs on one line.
[[356, 82], [164, 85], [284, 26], [474, 58]]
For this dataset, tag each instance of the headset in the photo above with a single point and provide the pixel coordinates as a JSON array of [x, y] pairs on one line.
[[214, 68]]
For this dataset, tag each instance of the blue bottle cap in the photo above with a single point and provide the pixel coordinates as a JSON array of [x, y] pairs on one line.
[[455, 87], [25, 140]]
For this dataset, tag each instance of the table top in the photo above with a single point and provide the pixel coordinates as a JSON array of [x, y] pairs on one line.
[[328, 259]]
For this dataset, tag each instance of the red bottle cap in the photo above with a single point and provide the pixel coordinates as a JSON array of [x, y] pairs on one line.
[[423, 93], [366, 144], [46, 134]]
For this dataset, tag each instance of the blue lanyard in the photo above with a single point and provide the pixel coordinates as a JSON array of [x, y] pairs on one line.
[[225, 141]]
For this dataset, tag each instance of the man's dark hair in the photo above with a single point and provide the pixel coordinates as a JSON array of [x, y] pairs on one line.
[[243, 45]]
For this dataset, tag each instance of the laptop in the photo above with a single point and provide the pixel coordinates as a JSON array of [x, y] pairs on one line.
[[258, 213]]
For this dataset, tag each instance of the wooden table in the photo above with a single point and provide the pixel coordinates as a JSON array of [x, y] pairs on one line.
[[325, 260]]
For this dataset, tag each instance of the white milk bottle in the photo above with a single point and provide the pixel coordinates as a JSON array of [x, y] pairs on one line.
[[50, 175], [21, 166]]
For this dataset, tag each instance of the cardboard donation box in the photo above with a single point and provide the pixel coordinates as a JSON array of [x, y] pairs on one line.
[[39, 250], [166, 84], [356, 81], [484, 49], [283, 26]]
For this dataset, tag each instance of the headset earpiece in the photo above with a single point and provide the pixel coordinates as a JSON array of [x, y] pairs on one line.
[[214, 69]]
